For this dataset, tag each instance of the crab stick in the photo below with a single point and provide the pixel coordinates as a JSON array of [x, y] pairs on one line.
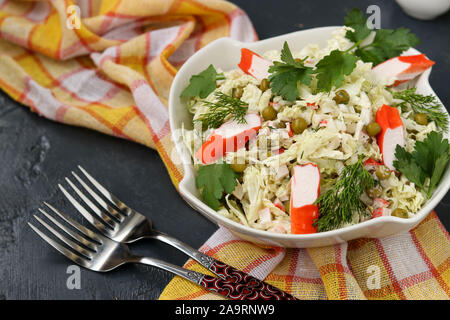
[[277, 202], [254, 65], [391, 135], [305, 188], [371, 164], [403, 68], [380, 203], [229, 137], [381, 212]]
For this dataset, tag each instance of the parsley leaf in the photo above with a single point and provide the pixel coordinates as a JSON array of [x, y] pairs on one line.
[[355, 19], [428, 160], [332, 69], [410, 168], [203, 83], [387, 44], [215, 179], [286, 75]]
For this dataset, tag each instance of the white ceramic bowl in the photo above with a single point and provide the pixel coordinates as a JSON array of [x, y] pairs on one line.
[[224, 53]]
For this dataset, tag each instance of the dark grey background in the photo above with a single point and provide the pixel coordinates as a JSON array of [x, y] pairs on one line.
[[35, 155]]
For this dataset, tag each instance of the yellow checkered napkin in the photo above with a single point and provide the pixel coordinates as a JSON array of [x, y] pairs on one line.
[[412, 265], [108, 65]]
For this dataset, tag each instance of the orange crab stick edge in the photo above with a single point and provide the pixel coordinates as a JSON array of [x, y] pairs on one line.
[[229, 137], [305, 188], [253, 64], [391, 135], [403, 68]]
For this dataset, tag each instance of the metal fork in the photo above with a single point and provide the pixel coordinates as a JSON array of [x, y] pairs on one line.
[[99, 253], [123, 224]]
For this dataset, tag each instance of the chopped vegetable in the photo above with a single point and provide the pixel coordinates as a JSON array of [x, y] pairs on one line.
[[214, 180], [286, 75], [426, 163], [202, 84], [338, 205]]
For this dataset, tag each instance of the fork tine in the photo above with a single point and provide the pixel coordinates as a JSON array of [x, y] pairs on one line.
[[69, 254], [69, 231], [85, 231], [94, 220], [119, 204], [98, 199], [91, 205], [79, 251]]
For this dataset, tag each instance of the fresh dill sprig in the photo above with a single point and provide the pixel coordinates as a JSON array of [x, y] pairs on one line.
[[419, 103], [224, 108], [338, 205]]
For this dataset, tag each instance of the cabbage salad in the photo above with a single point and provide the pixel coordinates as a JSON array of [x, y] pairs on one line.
[[318, 139]]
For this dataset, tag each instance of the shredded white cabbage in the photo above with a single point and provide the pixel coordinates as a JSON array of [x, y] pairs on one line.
[[335, 137]]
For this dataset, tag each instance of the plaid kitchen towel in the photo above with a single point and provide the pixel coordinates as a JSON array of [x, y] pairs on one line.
[[412, 265], [111, 71]]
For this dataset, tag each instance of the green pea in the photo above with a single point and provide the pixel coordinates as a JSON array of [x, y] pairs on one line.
[[383, 172], [269, 113], [237, 92], [421, 118], [400, 213], [238, 167], [373, 129], [374, 192], [264, 85], [299, 125], [341, 96]]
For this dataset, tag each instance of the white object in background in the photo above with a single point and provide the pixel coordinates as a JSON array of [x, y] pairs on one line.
[[424, 10]]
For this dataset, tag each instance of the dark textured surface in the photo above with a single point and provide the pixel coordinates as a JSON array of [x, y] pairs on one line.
[[36, 154]]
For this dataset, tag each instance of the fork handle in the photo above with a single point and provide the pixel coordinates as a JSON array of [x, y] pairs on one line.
[[224, 271], [226, 287]]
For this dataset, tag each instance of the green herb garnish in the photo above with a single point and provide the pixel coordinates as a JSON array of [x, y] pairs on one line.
[[426, 163], [339, 204], [287, 74], [388, 43], [215, 179], [419, 103], [202, 84], [332, 69], [223, 108], [356, 20]]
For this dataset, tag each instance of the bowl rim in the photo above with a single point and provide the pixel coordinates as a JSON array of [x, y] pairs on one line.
[[200, 206]]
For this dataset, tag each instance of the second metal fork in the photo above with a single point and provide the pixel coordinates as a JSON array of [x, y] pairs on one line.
[[117, 221], [98, 253]]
